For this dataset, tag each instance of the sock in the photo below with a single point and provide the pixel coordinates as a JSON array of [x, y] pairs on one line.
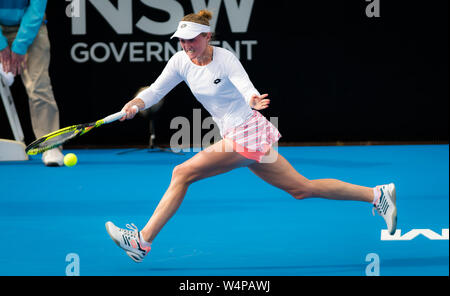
[[143, 242], [376, 195]]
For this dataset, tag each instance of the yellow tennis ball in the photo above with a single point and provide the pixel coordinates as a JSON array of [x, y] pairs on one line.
[[70, 159]]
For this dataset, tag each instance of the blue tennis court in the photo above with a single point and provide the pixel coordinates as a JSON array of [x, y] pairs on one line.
[[232, 224]]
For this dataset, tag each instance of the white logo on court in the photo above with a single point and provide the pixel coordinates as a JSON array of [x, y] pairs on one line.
[[412, 234]]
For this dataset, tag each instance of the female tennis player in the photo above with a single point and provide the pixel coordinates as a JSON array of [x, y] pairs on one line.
[[218, 80]]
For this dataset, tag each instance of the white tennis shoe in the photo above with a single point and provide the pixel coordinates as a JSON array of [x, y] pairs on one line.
[[386, 207], [128, 240], [53, 158]]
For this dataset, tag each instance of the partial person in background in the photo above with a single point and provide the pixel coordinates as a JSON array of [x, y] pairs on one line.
[[25, 51]]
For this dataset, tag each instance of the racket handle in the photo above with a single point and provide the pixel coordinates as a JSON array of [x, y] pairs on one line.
[[118, 115]]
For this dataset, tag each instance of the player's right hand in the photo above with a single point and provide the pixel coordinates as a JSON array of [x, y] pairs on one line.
[[131, 112]]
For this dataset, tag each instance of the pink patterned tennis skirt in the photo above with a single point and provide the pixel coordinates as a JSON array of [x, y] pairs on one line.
[[254, 137]]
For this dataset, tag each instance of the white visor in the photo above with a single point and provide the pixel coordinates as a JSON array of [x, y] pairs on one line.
[[190, 30]]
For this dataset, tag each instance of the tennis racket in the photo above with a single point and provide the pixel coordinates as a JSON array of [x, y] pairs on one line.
[[61, 136]]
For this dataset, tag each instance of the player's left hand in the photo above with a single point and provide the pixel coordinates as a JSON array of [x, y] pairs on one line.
[[259, 102]]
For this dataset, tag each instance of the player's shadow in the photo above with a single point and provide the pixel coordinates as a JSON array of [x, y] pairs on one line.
[[395, 262]]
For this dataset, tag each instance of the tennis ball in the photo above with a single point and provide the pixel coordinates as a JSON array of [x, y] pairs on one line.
[[70, 159]]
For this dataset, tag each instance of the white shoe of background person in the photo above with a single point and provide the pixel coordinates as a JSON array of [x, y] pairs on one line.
[[53, 158]]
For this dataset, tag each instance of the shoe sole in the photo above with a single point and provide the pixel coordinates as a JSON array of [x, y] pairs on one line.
[[130, 254], [133, 257], [53, 164], [394, 213]]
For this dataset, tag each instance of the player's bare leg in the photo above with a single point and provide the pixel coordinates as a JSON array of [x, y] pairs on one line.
[[281, 174], [216, 159]]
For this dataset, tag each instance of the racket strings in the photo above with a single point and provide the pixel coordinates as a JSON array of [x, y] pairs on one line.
[[59, 138], [52, 140]]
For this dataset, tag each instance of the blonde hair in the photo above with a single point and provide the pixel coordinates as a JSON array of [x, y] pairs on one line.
[[202, 17]]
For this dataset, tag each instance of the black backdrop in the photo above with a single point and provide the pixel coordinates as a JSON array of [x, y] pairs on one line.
[[333, 73]]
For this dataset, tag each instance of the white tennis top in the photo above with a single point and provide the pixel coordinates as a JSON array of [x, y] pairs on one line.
[[222, 87]]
